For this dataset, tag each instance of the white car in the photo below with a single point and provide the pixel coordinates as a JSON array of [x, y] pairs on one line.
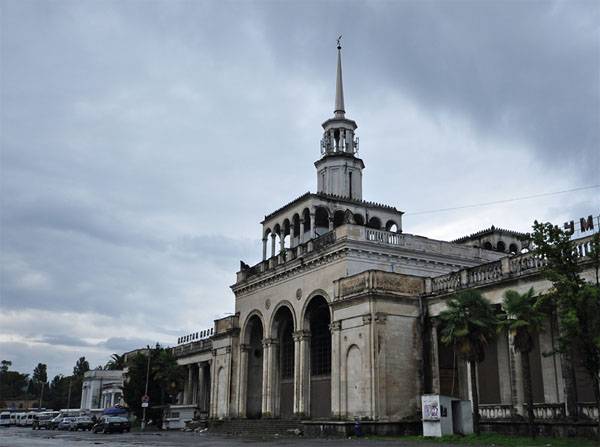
[[20, 419], [5, 419]]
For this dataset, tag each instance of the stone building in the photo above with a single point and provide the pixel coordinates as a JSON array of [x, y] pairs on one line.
[[102, 389], [335, 321]]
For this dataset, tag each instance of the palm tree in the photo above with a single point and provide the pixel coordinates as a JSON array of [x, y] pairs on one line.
[[523, 318], [116, 362], [469, 324]]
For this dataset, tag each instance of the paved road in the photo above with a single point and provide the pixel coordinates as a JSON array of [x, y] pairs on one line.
[[25, 437]]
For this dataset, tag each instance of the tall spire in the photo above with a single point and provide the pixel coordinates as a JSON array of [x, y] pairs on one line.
[[339, 111]]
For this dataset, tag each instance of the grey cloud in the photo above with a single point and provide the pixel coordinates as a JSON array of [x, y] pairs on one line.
[[141, 146]]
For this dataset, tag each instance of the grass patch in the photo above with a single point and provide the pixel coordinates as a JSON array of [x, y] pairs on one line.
[[494, 439]]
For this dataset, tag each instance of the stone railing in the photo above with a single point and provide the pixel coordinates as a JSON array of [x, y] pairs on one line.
[[495, 411], [374, 281], [541, 412], [587, 410], [526, 262], [445, 283], [507, 267], [323, 241], [193, 347], [385, 237], [547, 411], [489, 272]]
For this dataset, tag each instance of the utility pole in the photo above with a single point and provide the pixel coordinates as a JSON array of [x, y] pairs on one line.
[[69, 395], [144, 403], [42, 395]]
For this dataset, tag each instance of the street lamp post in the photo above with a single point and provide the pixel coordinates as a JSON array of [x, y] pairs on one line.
[[144, 403]]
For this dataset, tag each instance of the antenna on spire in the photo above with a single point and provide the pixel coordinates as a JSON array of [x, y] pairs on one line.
[[339, 88]]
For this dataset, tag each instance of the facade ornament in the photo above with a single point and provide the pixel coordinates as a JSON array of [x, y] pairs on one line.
[[367, 319], [335, 326], [380, 317], [267, 303], [298, 294]]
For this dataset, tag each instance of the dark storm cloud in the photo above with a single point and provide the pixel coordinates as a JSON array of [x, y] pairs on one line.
[[143, 142], [524, 71]]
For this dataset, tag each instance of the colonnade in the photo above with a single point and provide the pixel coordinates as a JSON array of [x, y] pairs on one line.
[[196, 389]]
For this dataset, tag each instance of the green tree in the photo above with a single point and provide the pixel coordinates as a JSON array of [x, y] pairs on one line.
[[81, 367], [165, 380], [5, 366], [523, 319], [13, 384], [40, 377], [116, 362], [469, 324], [575, 303]]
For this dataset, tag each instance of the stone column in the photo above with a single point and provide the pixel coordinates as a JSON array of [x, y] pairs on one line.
[[264, 241], [313, 230], [435, 360], [330, 220], [504, 369], [243, 383], [302, 228], [190, 387], [337, 403], [516, 370], [268, 366], [301, 373], [281, 241], [213, 386], [370, 380], [273, 244], [201, 387]]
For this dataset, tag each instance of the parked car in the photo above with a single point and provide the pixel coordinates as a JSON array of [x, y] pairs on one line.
[[44, 420], [65, 423], [5, 419], [112, 424], [82, 423]]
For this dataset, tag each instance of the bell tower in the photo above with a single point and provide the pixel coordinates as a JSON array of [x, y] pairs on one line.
[[339, 170]]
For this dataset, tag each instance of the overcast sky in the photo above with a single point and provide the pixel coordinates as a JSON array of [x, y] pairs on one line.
[[144, 141]]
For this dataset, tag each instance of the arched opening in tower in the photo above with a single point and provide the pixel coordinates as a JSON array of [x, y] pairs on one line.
[[321, 221], [338, 218], [319, 319], [283, 329], [254, 338]]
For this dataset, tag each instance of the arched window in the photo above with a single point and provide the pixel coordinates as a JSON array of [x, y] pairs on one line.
[[321, 220], [513, 248], [296, 225], [488, 245], [374, 222], [306, 219], [338, 218], [391, 226], [501, 246], [359, 219]]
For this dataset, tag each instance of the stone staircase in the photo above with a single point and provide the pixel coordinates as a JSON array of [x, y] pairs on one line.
[[257, 427]]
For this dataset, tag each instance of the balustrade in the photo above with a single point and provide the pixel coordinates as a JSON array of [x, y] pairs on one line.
[[587, 410], [495, 412], [547, 411], [384, 237]]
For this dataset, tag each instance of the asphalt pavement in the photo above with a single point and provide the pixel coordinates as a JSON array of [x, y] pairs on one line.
[[26, 437]]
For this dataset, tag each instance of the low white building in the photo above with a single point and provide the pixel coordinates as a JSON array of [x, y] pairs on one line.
[[102, 389]]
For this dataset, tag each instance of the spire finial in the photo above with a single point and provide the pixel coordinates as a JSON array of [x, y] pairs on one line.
[[339, 111]]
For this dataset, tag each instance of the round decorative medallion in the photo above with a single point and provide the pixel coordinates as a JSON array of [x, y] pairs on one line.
[[267, 303], [298, 294]]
